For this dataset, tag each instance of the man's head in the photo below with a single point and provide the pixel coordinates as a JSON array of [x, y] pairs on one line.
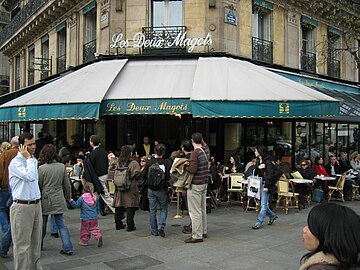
[[196, 138], [146, 140], [94, 140], [15, 141], [343, 156], [332, 160], [28, 140]]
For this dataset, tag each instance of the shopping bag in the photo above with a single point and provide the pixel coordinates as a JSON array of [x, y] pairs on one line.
[[318, 195], [254, 187]]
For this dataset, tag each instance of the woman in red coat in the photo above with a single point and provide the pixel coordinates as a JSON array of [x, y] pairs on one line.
[[319, 166]]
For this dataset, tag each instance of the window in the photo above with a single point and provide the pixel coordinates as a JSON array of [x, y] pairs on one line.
[[17, 72], [90, 35], [166, 13], [44, 61], [308, 56], [333, 61], [61, 47], [31, 57]]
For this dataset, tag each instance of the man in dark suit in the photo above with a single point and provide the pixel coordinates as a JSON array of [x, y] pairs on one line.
[[100, 163], [145, 149], [333, 168]]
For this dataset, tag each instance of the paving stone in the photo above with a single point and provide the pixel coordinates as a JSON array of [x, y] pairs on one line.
[[133, 263]]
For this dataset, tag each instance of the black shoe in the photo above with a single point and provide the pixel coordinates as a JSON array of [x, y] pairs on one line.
[[271, 221], [132, 229], [56, 235], [162, 233], [122, 226], [103, 213], [66, 253], [187, 229]]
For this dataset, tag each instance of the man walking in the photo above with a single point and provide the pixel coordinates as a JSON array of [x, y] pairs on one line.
[[100, 163], [196, 194], [5, 159], [25, 212]]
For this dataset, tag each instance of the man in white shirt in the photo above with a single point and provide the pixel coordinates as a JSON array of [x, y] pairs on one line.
[[25, 212]]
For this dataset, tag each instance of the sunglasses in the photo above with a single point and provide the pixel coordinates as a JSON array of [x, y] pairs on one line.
[[303, 164]]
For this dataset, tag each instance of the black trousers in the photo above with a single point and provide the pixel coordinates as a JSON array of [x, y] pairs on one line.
[[119, 216]]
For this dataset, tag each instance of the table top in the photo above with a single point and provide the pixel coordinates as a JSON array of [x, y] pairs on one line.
[[325, 178], [302, 181], [243, 181]]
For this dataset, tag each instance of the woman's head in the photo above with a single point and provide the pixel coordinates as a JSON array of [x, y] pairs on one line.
[[319, 160], [160, 150], [261, 150], [333, 229], [89, 188], [48, 154], [235, 160], [125, 154]]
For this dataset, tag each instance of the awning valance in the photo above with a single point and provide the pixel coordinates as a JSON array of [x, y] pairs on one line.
[[203, 87]]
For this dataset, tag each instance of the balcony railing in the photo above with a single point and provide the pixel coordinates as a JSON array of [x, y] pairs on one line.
[[31, 77], [89, 51], [61, 63], [166, 37], [19, 20], [333, 68], [4, 80], [308, 62], [262, 50]]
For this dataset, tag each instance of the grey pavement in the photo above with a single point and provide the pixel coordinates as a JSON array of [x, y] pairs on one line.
[[231, 243]]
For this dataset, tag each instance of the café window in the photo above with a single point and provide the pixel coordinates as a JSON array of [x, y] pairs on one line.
[[166, 13]]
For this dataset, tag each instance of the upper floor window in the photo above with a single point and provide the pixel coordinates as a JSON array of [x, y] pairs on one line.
[[17, 72], [261, 23], [44, 62], [31, 58], [308, 41], [61, 47], [166, 13], [333, 59], [89, 49]]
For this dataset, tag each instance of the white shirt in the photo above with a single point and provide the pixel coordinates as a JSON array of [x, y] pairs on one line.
[[24, 178]]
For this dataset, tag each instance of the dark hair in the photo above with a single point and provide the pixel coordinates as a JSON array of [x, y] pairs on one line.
[[25, 135], [316, 161], [262, 150], [160, 149], [125, 154], [197, 137], [48, 154], [236, 159], [95, 140], [337, 229], [187, 145]]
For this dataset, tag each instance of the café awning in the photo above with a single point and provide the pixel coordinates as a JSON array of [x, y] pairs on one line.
[[75, 96]]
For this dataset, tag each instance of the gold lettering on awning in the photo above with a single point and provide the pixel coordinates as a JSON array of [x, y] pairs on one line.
[[284, 108], [22, 112]]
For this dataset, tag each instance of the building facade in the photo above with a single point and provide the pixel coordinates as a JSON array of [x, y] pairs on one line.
[[48, 38]]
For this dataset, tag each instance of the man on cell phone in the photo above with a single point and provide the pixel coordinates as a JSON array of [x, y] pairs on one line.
[[25, 212]]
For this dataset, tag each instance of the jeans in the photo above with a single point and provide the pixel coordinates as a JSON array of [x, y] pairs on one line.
[[155, 197], [63, 231], [53, 227], [265, 210], [5, 224]]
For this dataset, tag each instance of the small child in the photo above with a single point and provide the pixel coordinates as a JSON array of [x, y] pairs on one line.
[[89, 215]]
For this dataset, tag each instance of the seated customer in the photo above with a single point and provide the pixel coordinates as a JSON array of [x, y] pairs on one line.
[[333, 168], [319, 166], [304, 189]]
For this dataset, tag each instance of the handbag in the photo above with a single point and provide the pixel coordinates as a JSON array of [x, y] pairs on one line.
[[144, 200], [318, 195], [254, 187]]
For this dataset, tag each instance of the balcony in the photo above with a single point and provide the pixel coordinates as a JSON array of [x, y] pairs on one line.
[[89, 51], [4, 80], [166, 37], [333, 68], [262, 50], [308, 62], [61, 64]]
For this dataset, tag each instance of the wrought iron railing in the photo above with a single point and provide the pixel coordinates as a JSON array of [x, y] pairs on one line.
[[89, 51], [61, 63], [333, 68], [262, 50], [19, 20], [17, 83], [166, 36], [31, 77], [308, 62], [4, 80]]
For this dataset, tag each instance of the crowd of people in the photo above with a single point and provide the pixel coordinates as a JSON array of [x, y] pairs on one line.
[[35, 184]]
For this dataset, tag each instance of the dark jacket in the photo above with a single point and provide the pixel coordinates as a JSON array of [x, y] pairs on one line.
[[308, 173], [345, 165], [91, 176], [266, 173], [337, 168], [99, 161], [144, 173], [141, 150]]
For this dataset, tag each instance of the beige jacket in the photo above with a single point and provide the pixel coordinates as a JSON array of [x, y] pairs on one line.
[[320, 260]]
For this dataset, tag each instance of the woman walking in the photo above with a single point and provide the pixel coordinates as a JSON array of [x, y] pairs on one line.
[[265, 169], [127, 199], [54, 183]]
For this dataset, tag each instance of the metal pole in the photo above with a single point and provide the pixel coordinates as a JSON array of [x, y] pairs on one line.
[[178, 215]]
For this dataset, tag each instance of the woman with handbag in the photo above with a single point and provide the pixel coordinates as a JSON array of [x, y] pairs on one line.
[[127, 199], [265, 169]]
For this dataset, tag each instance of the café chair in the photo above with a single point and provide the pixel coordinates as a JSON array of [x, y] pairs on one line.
[[354, 191], [234, 187], [339, 187], [286, 193]]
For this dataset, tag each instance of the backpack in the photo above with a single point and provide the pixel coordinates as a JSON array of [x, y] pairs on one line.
[[156, 176], [122, 178]]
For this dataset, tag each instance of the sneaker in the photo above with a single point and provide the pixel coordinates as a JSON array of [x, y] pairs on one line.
[[100, 241], [161, 233], [257, 226], [81, 243], [69, 253], [155, 233], [271, 220]]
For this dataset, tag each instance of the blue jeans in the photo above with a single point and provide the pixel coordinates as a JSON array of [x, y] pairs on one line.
[[155, 197], [5, 223], [63, 231], [53, 227], [265, 210]]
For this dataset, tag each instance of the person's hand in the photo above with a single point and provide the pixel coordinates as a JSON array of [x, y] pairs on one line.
[[23, 150], [266, 189], [261, 166]]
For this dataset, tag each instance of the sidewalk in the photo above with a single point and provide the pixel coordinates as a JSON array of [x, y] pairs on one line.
[[231, 243]]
